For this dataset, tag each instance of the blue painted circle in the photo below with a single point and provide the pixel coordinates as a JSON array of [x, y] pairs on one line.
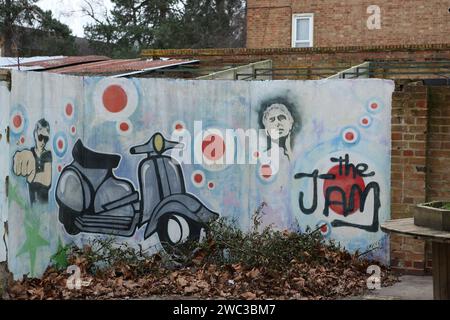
[[60, 150], [374, 106], [366, 121], [350, 135]]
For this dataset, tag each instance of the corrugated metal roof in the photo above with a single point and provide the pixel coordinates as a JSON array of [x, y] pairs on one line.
[[98, 65], [62, 62], [5, 61], [119, 67]]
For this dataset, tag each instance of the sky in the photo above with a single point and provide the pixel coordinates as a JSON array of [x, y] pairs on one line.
[[69, 12]]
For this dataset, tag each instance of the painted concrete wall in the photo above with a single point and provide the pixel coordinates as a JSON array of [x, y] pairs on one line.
[[4, 160], [321, 160]]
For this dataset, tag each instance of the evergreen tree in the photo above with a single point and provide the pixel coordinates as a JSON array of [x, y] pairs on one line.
[[133, 25], [213, 24], [27, 28]]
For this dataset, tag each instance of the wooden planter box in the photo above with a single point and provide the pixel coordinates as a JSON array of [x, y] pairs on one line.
[[431, 215]]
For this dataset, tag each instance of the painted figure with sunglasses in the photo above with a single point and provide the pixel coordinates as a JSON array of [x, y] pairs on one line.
[[35, 164]]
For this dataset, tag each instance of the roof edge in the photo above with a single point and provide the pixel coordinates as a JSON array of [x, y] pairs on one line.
[[271, 51]]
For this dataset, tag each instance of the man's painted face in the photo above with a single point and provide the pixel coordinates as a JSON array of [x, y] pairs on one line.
[[278, 124], [41, 137]]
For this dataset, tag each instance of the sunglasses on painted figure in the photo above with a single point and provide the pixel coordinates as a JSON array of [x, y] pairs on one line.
[[43, 138]]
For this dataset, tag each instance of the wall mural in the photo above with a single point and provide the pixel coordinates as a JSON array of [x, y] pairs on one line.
[[92, 199], [4, 113], [152, 161], [278, 120], [35, 164]]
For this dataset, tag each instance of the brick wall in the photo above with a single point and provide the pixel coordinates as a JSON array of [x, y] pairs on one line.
[[409, 142], [269, 26], [342, 57], [344, 23], [420, 165], [438, 151], [438, 180]]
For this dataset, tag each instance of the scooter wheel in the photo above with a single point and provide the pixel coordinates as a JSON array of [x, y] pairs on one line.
[[177, 233]]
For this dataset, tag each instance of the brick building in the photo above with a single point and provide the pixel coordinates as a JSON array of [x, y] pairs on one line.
[[333, 23]]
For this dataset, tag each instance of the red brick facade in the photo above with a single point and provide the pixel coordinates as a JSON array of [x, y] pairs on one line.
[[409, 172], [438, 181], [420, 164], [344, 23]]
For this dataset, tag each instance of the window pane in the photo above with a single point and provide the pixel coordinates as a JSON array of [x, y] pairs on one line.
[[303, 29], [302, 44]]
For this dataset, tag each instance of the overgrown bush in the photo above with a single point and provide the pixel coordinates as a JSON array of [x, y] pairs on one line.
[[105, 256], [225, 244], [269, 248]]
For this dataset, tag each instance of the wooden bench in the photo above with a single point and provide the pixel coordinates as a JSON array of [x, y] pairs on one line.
[[441, 251]]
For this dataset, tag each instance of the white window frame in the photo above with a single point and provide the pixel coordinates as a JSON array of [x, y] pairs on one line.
[[310, 16]]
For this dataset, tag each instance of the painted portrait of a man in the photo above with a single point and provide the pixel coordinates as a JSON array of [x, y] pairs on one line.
[[35, 164], [279, 120]]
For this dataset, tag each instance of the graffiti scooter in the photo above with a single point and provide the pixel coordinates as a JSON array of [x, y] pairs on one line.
[[92, 199]]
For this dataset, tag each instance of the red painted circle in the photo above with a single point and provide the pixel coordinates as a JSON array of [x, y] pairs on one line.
[[60, 144], [124, 127], [198, 178], [345, 183], [213, 147], [22, 140], [73, 129], [374, 106], [266, 171], [69, 109], [179, 127], [365, 121], [256, 154], [324, 228], [59, 168], [211, 185], [350, 136], [115, 99], [17, 121]]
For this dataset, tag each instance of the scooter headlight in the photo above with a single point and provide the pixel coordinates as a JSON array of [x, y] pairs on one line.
[[158, 143]]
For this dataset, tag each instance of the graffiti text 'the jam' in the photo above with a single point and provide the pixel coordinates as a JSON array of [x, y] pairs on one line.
[[345, 192]]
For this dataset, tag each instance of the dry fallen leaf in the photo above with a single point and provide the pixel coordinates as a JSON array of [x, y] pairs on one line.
[[249, 296], [191, 289], [254, 273], [182, 282]]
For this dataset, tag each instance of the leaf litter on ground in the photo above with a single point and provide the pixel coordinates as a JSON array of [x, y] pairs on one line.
[[228, 264]]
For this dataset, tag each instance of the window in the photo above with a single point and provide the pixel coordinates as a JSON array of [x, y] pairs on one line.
[[302, 30]]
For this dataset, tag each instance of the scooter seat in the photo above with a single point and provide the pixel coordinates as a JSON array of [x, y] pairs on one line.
[[93, 160]]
